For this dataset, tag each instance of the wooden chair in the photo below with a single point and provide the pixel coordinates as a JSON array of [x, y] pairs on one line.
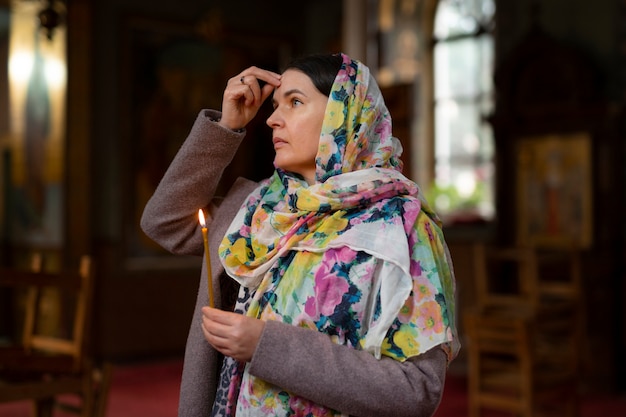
[[523, 338], [527, 280], [50, 365]]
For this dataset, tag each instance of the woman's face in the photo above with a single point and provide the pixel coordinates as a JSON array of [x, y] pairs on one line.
[[296, 123]]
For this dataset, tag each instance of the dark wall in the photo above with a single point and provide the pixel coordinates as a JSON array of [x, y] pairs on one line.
[[594, 28], [145, 298]]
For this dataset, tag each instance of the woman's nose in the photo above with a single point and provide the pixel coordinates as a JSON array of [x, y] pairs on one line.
[[274, 120]]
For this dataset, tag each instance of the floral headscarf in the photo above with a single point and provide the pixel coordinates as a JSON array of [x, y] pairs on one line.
[[357, 255]]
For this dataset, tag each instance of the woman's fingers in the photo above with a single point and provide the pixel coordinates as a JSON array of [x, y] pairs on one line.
[[249, 75], [232, 334], [260, 83], [244, 96]]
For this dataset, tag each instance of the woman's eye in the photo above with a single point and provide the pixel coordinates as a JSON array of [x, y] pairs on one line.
[[296, 102]]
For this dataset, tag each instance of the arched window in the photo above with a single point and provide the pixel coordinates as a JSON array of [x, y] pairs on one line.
[[444, 51], [463, 60]]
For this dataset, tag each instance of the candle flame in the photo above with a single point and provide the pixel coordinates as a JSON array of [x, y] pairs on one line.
[[201, 217]]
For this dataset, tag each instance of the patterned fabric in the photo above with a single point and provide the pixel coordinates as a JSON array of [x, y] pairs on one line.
[[358, 255]]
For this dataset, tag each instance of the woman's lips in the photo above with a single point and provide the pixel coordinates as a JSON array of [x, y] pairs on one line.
[[278, 142]]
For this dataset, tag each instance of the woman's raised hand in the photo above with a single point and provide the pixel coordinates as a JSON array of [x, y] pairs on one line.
[[244, 95]]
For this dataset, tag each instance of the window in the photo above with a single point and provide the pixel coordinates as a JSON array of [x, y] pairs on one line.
[[444, 50], [463, 186]]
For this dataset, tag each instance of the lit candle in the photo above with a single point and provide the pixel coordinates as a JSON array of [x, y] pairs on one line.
[[205, 237]]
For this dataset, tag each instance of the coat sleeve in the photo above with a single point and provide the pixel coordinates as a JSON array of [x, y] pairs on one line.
[[202, 363], [170, 218], [351, 381]]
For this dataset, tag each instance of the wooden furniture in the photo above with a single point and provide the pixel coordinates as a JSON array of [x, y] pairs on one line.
[[51, 362], [529, 279], [523, 338]]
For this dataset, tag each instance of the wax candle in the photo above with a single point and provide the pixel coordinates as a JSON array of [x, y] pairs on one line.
[[207, 254]]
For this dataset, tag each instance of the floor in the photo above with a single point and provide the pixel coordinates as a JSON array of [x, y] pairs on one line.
[[137, 390], [151, 389]]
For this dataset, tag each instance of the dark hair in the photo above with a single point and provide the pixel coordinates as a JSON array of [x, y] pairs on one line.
[[321, 69]]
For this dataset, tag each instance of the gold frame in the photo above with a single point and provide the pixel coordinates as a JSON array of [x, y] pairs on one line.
[[554, 190]]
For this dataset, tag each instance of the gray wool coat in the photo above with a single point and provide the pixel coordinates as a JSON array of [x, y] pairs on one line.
[[298, 360]]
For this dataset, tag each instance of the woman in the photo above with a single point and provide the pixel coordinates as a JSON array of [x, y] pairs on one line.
[[346, 297]]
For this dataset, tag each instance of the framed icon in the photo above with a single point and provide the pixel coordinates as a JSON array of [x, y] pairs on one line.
[[554, 190]]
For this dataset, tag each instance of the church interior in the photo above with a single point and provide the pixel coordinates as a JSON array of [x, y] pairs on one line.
[[511, 117]]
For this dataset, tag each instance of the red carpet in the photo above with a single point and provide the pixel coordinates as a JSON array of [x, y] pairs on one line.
[[151, 390], [454, 403], [143, 390]]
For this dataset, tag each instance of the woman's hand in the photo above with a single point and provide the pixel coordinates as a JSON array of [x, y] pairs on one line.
[[232, 334], [243, 96]]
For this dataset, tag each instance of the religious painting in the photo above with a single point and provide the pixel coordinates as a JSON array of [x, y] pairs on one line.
[[32, 130], [170, 72], [554, 198]]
